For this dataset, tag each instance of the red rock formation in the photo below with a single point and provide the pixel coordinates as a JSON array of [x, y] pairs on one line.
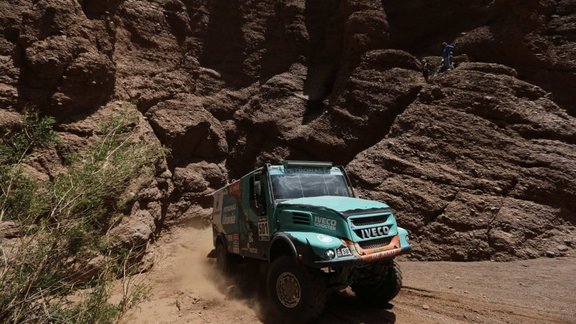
[[478, 162], [472, 170]]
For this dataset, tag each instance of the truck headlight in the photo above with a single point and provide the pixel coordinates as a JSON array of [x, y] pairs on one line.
[[330, 254]]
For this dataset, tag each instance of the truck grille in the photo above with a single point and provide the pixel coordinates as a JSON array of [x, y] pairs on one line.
[[373, 244], [301, 218], [370, 220]]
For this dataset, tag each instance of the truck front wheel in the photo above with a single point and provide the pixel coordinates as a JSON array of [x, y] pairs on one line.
[[297, 293], [382, 287]]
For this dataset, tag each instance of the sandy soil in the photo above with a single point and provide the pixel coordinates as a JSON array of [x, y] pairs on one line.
[[186, 289]]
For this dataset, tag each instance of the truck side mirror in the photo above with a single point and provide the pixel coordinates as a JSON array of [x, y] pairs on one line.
[[258, 201], [257, 189]]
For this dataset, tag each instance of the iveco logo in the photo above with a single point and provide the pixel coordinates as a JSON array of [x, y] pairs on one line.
[[326, 223], [374, 232]]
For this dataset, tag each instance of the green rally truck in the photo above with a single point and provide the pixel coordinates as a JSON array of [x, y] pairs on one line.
[[303, 218]]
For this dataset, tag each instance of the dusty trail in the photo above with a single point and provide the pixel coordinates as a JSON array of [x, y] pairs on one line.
[[185, 289]]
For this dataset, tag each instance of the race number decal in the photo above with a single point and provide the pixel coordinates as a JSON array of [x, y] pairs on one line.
[[263, 230]]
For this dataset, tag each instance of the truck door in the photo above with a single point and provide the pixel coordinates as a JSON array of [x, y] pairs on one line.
[[256, 218]]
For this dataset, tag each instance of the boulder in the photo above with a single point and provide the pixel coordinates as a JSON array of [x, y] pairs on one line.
[[67, 75], [133, 231], [188, 130]]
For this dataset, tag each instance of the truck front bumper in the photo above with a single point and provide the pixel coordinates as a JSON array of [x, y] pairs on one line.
[[321, 250], [362, 259]]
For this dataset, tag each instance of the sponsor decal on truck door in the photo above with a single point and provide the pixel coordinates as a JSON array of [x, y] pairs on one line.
[[229, 214]]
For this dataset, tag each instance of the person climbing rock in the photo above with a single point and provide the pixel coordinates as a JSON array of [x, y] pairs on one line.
[[447, 56], [426, 69]]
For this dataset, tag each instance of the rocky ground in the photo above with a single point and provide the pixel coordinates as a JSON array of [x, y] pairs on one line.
[[186, 289]]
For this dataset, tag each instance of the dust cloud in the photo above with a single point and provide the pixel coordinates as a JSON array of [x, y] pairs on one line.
[[186, 288], [194, 270]]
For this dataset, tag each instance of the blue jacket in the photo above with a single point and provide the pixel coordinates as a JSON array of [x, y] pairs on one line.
[[447, 50]]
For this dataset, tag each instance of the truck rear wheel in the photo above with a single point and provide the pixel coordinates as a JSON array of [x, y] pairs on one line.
[[225, 262], [297, 293], [382, 287]]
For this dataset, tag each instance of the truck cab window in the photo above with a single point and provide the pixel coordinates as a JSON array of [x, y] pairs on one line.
[[298, 185]]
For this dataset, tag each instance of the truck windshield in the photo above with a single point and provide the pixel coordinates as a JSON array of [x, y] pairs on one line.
[[298, 185]]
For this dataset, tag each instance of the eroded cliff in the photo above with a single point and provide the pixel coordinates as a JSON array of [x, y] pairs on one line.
[[478, 162]]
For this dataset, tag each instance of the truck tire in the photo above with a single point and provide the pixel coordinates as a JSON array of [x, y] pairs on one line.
[[297, 294], [382, 288], [225, 262]]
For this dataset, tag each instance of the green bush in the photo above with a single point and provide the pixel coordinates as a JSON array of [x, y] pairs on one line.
[[63, 223], [18, 192]]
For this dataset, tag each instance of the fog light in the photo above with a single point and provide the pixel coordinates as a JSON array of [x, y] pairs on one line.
[[330, 254]]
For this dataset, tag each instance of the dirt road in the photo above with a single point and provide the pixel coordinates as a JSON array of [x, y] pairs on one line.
[[186, 289]]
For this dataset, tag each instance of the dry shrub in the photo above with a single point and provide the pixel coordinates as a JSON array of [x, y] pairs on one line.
[[62, 249]]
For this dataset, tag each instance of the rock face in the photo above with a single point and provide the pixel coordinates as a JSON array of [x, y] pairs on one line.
[[478, 162], [63, 70], [473, 171]]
